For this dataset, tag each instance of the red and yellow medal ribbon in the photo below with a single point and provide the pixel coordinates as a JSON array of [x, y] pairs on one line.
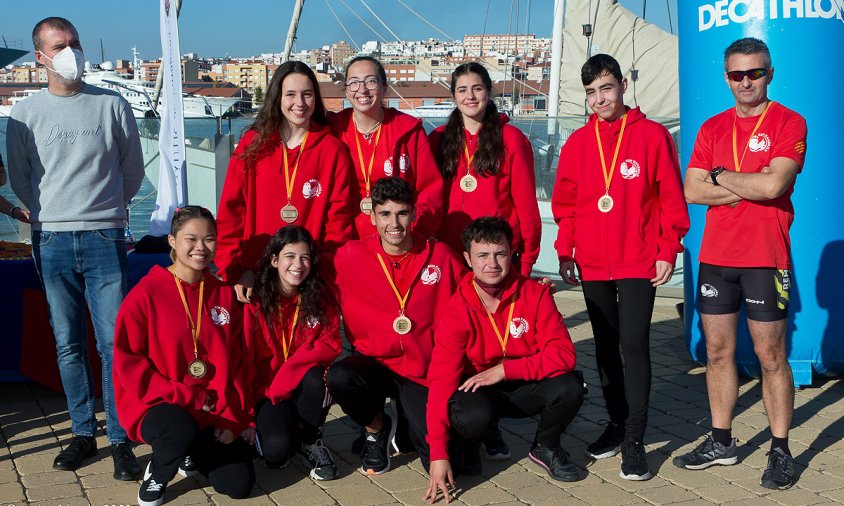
[[288, 179], [287, 342], [736, 160], [367, 172], [608, 176], [502, 340], [469, 159], [194, 327], [402, 299]]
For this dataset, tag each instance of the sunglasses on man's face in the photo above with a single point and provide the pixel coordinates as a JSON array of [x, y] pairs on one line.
[[752, 74]]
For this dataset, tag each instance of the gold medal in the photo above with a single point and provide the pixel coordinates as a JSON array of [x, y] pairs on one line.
[[468, 183], [402, 324], [605, 204], [366, 205], [197, 368], [289, 213]]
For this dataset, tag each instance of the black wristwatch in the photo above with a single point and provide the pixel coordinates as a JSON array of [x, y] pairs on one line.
[[714, 173]]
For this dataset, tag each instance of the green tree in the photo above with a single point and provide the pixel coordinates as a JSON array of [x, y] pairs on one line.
[[258, 96]]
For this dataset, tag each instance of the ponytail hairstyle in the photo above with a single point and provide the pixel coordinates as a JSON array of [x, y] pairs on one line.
[[268, 286], [490, 137], [182, 215]]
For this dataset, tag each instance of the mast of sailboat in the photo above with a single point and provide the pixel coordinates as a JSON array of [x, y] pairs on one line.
[[556, 65], [159, 78], [291, 32]]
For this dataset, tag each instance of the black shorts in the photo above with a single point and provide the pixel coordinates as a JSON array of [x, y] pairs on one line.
[[765, 291]]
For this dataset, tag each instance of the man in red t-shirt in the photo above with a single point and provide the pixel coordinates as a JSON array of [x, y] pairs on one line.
[[743, 167]]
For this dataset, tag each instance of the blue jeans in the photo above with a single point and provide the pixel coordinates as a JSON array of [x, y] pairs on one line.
[[75, 268]]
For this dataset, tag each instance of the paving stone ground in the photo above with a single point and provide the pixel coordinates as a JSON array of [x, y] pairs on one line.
[[34, 425]]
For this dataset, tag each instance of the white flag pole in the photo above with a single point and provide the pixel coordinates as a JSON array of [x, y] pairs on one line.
[[172, 181]]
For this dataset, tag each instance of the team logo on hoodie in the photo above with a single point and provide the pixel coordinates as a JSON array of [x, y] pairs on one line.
[[759, 142], [312, 322], [431, 275], [404, 163], [519, 327], [220, 316], [630, 169], [388, 167], [312, 189]]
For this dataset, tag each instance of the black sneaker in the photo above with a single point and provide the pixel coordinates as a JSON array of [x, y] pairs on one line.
[[708, 453], [187, 468], [555, 461], [152, 489], [634, 466], [321, 462], [126, 466], [494, 446], [79, 449], [608, 444], [375, 454], [779, 473]]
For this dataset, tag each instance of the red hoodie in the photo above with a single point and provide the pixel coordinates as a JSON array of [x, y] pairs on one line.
[[153, 347], [649, 215], [511, 195], [465, 344], [369, 304], [402, 151], [250, 206], [314, 343]]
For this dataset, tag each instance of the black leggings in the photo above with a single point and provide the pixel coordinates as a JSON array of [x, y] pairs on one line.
[[620, 312], [173, 434], [361, 385], [556, 400], [298, 419]]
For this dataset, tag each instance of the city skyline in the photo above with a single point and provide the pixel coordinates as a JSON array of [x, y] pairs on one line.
[[254, 33]]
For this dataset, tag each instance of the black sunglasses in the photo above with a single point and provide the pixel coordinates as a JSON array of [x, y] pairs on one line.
[[752, 74]]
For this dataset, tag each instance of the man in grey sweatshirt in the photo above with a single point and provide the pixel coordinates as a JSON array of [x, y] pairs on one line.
[[75, 161]]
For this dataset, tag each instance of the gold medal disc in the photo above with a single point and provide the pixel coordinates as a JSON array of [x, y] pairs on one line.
[[366, 205], [605, 204], [402, 325], [197, 369], [468, 183], [289, 213]]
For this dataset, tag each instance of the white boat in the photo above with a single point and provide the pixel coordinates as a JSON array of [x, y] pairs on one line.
[[441, 110]]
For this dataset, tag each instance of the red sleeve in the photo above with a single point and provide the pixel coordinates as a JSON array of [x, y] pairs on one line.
[[564, 201], [137, 373], [231, 216], [556, 352], [444, 372], [702, 152], [339, 224], [429, 186], [791, 142], [260, 355], [321, 349], [523, 191], [673, 212]]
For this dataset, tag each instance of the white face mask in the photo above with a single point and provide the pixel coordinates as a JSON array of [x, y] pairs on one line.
[[68, 63]]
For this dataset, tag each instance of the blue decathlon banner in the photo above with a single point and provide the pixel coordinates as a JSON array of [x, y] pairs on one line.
[[806, 39], [172, 183]]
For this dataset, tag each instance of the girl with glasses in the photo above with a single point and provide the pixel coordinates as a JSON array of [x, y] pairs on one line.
[[385, 142]]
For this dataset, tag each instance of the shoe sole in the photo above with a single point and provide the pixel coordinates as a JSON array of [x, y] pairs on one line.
[[189, 474], [159, 502], [547, 470], [773, 486], [607, 454], [717, 462], [636, 477]]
